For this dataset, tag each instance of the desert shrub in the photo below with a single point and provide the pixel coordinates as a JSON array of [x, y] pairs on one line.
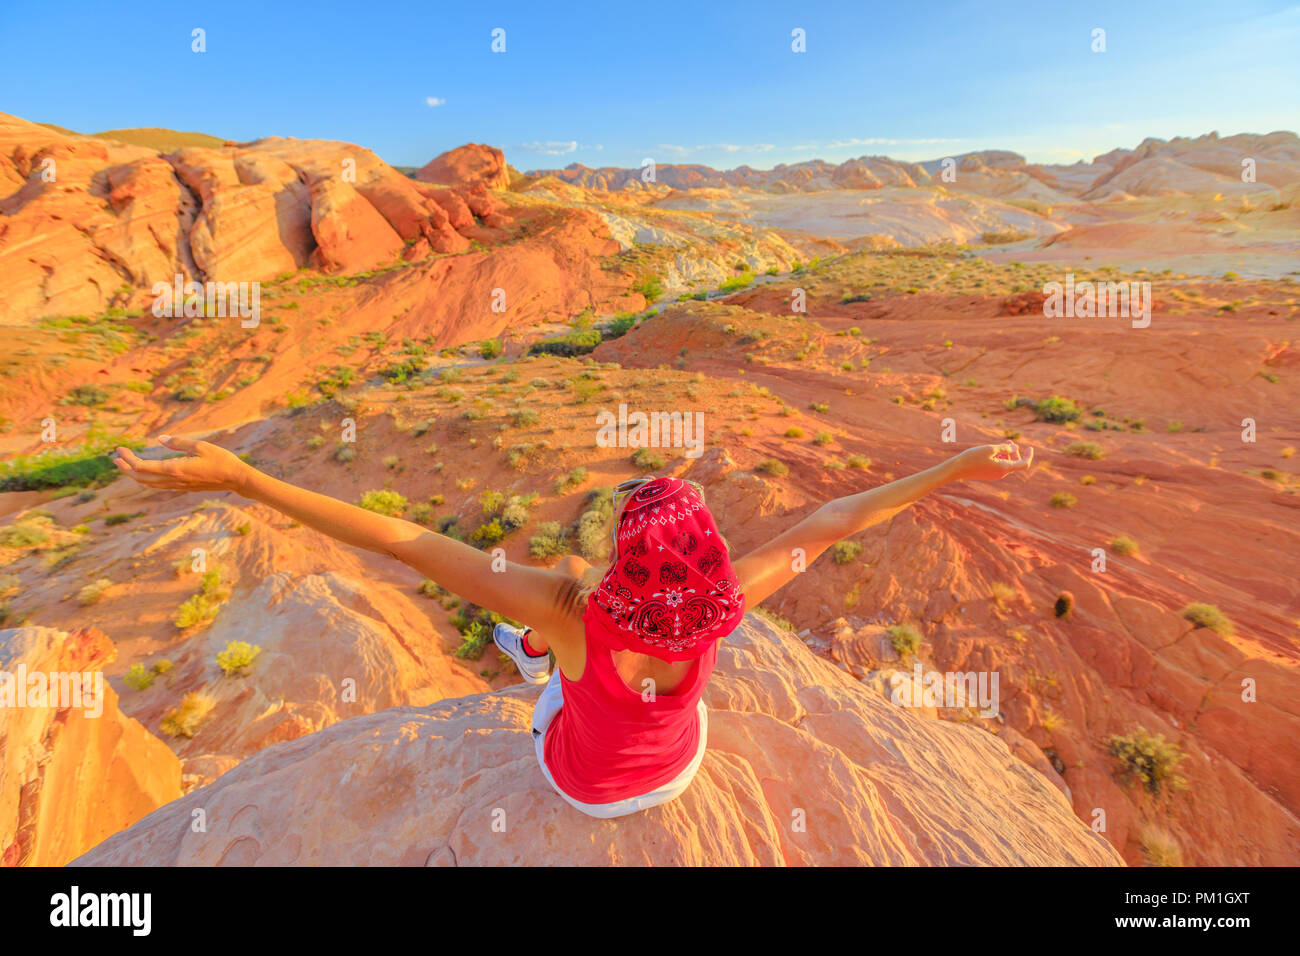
[[859, 461], [770, 466], [488, 533], [203, 606], [647, 460], [550, 541], [819, 406], [384, 502], [1057, 410], [138, 677], [845, 551], [574, 478], [121, 518], [474, 641], [905, 639], [525, 417], [422, 513], [1161, 847], [1148, 758], [1063, 499], [391, 461], [794, 432], [27, 532], [344, 452], [777, 619], [237, 658], [592, 530], [490, 348], [621, 325], [162, 667], [90, 395], [736, 283], [1003, 593], [1123, 544], [1207, 615], [88, 464], [650, 287], [184, 720], [315, 441], [577, 342], [1085, 449], [91, 593]]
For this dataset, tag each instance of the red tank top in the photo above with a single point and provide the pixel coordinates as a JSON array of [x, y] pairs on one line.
[[607, 743]]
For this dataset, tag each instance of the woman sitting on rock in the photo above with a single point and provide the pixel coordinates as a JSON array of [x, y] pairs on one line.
[[621, 725]]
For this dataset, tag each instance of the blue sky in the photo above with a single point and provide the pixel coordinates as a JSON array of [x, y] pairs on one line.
[[705, 82]]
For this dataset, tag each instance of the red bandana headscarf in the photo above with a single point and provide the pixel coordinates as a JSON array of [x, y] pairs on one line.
[[671, 588]]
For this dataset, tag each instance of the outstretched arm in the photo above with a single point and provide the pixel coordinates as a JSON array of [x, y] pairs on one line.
[[545, 599], [767, 568]]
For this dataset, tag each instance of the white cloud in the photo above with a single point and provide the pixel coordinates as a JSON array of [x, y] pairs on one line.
[[553, 147], [433, 101]]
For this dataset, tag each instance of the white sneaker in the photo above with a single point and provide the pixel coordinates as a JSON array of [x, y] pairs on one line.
[[535, 670]]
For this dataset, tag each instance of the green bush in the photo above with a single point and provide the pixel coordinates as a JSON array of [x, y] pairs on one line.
[[90, 395], [384, 502], [138, 677], [736, 283], [550, 541], [650, 287], [647, 460], [86, 465], [846, 551], [488, 534], [203, 606], [91, 593], [1058, 410], [771, 466], [237, 658], [593, 526], [26, 533], [525, 418], [905, 639], [1123, 544], [1148, 758], [1207, 615], [490, 348], [1085, 449], [574, 478]]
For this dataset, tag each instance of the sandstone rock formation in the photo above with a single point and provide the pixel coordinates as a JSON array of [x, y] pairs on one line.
[[467, 165], [805, 766], [70, 776], [86, 223]]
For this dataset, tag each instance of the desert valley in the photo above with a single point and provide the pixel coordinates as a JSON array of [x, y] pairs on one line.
[[440, 342]]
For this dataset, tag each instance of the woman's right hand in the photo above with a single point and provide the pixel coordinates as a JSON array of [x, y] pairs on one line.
[[205, 467], [991, 462]]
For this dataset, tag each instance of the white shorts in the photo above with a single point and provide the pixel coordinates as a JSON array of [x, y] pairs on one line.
[[549, 704]]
